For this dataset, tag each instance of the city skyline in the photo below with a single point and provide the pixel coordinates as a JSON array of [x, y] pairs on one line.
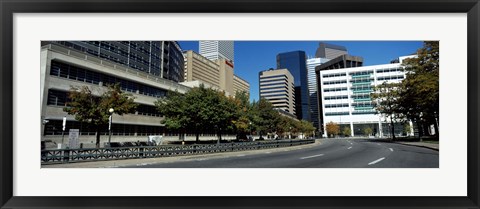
[[251, 57]]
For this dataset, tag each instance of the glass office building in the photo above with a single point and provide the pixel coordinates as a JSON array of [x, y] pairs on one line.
[[159, 58], [296, 63]]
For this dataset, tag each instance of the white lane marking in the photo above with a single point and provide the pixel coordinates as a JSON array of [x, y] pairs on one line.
[[349, 148], [391, 149], [311, 156], [240, 155], [268, 152], [378, 144], [376, 161]]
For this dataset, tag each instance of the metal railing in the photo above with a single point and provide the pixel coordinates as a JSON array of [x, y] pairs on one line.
[[116, 153]]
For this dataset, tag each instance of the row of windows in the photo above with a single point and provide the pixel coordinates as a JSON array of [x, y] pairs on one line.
[[278, 87], [269, 92], [361, 80], [273, 80], [334, 82], [336, 105], [336, 113], [364, 96], [275, 95], [60, 98], [336, 97], [335, 89], [83, 75], [363, 112], [389, 70], [273, 76], [390, 78], [273, 84], [334, 75], [362, 73]]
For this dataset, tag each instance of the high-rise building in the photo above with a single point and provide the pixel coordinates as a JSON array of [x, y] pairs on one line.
[[160, 58], [214, 50], [216, 74], [296, 63], [342, 61], [277, 86], [345, 97], [312, 88], [330, 51]]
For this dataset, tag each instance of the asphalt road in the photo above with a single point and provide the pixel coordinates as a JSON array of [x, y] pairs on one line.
[[330, 153]]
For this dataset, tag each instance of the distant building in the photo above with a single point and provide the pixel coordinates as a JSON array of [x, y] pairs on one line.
[[159, 58], [277, 86], [330, 51], [215, 50], [296, 63], [218, 74], [312, 88], [345, 97]]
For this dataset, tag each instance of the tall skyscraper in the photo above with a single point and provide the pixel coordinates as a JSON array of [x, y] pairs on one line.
[[296, 63], [159, 58], [330, 51], [214, 50], [312, 88], [277, 87]]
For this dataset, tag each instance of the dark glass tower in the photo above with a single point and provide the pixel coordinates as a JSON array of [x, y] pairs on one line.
[[296, 63], [159, 58]]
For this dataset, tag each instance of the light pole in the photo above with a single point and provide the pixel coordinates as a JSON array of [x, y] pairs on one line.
[[290, 133], [110, 125], [63, 128]]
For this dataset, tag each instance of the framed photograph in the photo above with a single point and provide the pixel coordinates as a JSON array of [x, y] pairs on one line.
[[163, 104]]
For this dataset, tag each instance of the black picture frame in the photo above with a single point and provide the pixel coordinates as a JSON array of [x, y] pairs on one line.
[[10, 7]]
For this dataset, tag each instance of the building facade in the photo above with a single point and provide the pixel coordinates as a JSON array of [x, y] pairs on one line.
[[345, 97], [342, 61], [214, 50], [64, 67], [312, 88], [159, 58], [277, 86], [218, 74], [330, 51], [296, 63]]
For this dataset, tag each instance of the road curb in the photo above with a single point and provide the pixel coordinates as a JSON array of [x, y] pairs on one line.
[[416, 145]]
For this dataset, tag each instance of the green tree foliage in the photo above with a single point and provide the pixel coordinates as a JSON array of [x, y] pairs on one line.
[[92, 109], [332, 129], [367, 131], [264, 117], [346, 131], [420, 89], [386, 97]]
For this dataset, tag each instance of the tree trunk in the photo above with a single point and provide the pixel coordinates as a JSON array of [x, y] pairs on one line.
[[197, 137], [97, 137], [393, 129]]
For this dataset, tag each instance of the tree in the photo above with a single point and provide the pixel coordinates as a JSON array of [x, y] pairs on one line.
[[420, 88], [386, 98], [265, 117], [346, 131], [94, 110], [333, 129], [367, 131]]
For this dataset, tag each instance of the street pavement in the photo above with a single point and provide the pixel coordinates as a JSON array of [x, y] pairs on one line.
[[325, 153]]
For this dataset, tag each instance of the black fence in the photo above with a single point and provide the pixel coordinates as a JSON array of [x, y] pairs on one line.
[[114, 153]]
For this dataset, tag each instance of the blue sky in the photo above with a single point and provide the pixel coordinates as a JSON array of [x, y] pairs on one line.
[[252, 57]]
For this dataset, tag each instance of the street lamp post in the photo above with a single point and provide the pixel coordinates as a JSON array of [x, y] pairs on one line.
[[290, 133], [110, 125]]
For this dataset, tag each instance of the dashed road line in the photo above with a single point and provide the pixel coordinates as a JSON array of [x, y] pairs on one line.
[[376, 161], [378, 144], [391, 149], [349, 148], [311, 156], [240, 155], [267, 152]]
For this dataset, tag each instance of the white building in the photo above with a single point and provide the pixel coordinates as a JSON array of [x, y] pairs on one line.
[[312, 87], [346, 97], [214, 50]]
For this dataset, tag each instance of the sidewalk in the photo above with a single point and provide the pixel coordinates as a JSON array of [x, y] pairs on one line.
[[422, 144]]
